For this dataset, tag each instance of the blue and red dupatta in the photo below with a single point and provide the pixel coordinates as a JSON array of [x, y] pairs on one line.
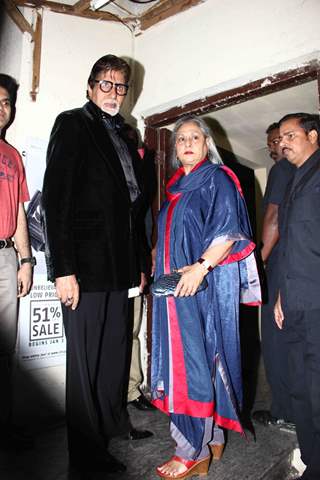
[[196, 365]]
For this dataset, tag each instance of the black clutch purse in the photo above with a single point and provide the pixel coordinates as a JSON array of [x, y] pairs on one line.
[[166, 284]]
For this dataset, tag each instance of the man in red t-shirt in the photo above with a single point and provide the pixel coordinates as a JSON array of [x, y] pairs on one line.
[[15, 281]]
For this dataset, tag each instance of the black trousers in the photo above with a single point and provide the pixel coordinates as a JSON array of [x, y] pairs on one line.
[[96, 385], [274, 351], [302, 333]]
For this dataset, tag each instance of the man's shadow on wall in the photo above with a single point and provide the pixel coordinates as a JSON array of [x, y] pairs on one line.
[[135, 89]]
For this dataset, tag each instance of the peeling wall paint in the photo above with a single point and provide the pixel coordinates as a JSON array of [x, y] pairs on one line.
[[218, 44]]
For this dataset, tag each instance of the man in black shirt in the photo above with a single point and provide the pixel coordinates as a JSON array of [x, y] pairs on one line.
[[273, 347], [297, 311]]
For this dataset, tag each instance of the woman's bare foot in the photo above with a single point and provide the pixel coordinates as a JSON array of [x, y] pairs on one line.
[[181, 468], [172, 468]]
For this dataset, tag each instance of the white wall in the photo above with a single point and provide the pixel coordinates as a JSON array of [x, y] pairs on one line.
[[70, 46], [209, 48], [205, 49], [218, 45], [11, 41], [10, 47]]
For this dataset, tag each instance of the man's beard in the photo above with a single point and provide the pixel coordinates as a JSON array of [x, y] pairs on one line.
[[112, 108]]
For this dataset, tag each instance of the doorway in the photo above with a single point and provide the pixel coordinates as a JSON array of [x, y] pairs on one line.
[[245, 111]]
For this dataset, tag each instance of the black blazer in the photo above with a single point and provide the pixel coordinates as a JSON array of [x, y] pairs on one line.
[[299, 246], [91, 224]]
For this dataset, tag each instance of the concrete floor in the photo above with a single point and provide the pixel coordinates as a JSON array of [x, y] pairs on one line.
[[267, 456], [266, 453]]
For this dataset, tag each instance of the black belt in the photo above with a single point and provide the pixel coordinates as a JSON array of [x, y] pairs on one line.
[[6, 243]]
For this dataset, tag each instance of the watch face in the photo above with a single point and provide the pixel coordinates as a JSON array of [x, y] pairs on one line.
[[33, 261]]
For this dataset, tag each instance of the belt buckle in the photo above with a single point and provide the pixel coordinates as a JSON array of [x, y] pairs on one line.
[[3, 243]]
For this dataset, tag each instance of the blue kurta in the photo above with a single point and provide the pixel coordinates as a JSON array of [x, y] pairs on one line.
[[196, 366]]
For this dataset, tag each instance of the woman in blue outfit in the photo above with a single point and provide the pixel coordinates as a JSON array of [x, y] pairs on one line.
[[203, 231]]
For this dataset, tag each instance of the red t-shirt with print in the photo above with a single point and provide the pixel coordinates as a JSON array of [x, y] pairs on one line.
[[13, 189]]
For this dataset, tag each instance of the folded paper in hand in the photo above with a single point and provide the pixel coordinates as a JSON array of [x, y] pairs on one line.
[[134, 292], [166, 284]]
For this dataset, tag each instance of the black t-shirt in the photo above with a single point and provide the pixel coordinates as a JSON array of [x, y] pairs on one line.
[[279, 177]]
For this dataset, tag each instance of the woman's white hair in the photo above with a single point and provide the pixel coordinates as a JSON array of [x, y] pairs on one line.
[[213, 154]]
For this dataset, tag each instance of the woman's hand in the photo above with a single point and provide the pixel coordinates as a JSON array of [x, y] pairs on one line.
[[192, 276]]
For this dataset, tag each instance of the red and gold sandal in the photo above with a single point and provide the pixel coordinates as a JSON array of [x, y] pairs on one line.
[[193, 467]]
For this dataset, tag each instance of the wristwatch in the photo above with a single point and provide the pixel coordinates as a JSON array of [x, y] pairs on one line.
[[31, 260], [206, 264]]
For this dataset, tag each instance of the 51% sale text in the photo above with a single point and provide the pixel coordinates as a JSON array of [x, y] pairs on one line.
[[46, 319]]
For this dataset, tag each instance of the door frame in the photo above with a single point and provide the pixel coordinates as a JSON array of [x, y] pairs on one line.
[[258, 88]]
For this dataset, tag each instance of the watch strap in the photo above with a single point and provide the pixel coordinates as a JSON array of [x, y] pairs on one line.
[[206, 264], [30, 260]]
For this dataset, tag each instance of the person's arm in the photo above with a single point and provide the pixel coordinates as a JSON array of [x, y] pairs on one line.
[[270, 230], [278, 313], [192, 275], [153, 260], [58, 200], [277, 183], [143, 282], [22, 243]]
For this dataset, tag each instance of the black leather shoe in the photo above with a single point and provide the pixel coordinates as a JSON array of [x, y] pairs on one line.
[[142, 403], [264, 417], [135, 434], [286, 426]]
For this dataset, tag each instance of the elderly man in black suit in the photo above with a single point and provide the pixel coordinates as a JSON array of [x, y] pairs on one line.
[[297, 311], [92, 199]]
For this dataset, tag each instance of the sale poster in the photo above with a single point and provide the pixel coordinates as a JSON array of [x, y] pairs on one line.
[[41, 332], [41, 339]]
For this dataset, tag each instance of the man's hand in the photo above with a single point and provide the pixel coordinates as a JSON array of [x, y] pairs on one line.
[[68, 291], [192, 276], [153, 260], [22, 244], [278, 313], [143, 282], [24, 279]]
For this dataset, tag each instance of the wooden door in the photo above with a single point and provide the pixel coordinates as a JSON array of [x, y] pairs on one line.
[[157, 140]]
